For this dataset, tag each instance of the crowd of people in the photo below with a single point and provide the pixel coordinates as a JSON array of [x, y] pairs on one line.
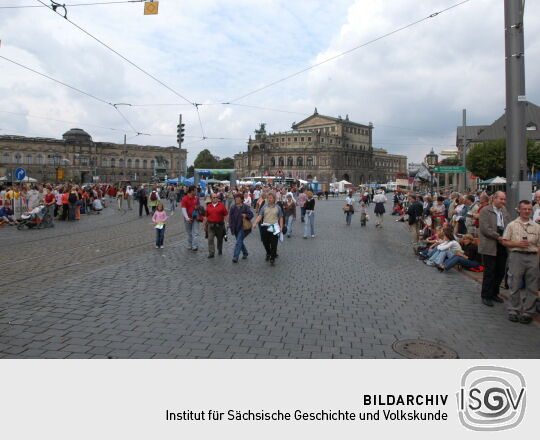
[[65, 202], [474, 231], [471, 231]]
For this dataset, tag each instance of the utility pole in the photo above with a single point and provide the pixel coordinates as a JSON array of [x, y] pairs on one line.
[[180, 139], [516, 148], [464, 144], [125, 158]]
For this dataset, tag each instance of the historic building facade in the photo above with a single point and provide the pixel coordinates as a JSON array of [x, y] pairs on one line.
[[321, 148], [81, 160]]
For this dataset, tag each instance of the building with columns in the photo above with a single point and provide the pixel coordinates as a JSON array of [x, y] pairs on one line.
[[82, 160], [320, 147]]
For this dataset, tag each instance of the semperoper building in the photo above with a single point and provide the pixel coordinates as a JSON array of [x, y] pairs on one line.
[[321, 148]]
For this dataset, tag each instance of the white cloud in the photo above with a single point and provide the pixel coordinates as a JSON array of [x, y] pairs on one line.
[[213, 51]]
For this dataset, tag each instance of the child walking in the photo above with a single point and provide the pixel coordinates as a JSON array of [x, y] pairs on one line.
[[363, 213], [160, 218]]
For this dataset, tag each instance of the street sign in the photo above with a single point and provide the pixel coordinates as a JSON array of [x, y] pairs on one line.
[[151, 7], [443, 169], [20, 174]]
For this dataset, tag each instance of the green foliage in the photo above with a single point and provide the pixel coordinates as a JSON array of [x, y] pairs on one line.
[[205, 159], [488, 159], [451, 161]]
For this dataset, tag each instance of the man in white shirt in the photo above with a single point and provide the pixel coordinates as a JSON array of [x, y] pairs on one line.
[[129, 194], [536, 214]]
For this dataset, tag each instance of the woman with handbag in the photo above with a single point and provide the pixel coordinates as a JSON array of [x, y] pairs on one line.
[[271, 219], [348, 209], [240, 217]]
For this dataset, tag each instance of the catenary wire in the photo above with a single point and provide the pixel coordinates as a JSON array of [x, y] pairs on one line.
[[388, 34], [120, 55], [74, 4]]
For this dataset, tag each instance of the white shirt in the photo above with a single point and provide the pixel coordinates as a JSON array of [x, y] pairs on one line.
[[379, 198], [256, 194], [536, 215], [500, 220], [349, 200]]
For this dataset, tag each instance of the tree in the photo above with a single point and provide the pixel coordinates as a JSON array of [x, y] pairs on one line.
[[205, 159], [451, 161], [488, 159]]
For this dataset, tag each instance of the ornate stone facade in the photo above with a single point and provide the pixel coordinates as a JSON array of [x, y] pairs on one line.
[[322, 148], [82, 159]]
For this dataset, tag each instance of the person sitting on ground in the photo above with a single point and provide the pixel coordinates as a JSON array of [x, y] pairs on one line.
[[431, 244], [398, 210], [6, 214], [445, 250], [97, 206], [469, 258]]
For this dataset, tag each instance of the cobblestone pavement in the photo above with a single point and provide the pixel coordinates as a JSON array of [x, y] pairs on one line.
[[348, 293]]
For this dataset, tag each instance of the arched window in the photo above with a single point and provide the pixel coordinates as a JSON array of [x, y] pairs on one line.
[[137, 163], [113, 162], [299, 162], [18, 158], [105, 162], [289, 161], [152, 164], [144, 163], [28, 159], [5, 158], [273, 161], [281, 162], [121, 163], [39, 159], [129, 163], [309, 161]]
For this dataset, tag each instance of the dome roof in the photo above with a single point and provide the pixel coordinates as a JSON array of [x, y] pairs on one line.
[[77, 134]]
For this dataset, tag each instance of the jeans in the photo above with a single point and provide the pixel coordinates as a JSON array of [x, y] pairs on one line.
[[458, 259], [172, 203], [160, 235], [349, 215], [289, 222], [309, 226], [438, 256], [192, 230], [239, 246], [302, 214]]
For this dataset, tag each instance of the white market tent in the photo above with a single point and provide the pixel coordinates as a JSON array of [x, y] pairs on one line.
[[26, 179]]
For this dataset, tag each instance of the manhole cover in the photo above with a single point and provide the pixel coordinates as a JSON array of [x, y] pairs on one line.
[[418, 349]]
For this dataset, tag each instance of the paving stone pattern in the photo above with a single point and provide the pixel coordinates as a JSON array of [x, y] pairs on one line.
[[348, 293]]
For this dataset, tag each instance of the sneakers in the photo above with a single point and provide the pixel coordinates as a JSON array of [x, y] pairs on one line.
[[161, 247], [157, 247], [235, 260], [312, 236], [244, 256]]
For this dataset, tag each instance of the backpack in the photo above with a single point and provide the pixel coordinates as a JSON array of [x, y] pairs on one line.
[[153, 196]]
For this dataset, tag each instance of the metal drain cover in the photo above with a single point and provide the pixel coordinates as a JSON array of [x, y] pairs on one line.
[[418, 349]]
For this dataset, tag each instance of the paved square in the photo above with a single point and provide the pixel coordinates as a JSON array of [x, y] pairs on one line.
[[99, 289]]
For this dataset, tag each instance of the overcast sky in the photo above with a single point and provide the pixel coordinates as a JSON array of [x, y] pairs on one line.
[[412, 85]]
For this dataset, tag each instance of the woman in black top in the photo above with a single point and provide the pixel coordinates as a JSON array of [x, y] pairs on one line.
[[309, 225]]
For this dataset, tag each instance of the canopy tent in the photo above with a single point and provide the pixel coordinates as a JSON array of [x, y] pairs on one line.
[[344, 182], [211, 181], [175, 180], [26, 179], [494, 181]]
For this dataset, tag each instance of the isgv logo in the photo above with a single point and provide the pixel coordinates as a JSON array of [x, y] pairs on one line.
[[491, 398]]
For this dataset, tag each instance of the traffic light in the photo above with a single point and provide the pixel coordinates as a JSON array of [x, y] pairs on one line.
[[180, 133]]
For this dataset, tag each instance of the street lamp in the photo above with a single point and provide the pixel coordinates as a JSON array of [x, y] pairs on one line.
[[432, 159], [57, 158]]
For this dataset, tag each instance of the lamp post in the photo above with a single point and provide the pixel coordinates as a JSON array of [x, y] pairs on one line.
[[432, 160], [57, 158]]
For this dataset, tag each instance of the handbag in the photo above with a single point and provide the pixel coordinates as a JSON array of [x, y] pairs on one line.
[[246, 224], [347, 208]]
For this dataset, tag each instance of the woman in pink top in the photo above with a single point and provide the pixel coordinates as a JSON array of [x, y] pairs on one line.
[[160, 218]]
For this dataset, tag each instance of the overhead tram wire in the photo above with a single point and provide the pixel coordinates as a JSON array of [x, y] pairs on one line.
[[90, 95], [119, 54], [388, 34], [75, 4]]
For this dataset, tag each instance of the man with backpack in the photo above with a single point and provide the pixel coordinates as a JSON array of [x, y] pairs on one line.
[[142, 196], [190, 212]]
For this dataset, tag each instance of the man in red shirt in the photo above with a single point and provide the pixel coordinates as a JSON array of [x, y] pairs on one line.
[[216, 216], [190, 206]]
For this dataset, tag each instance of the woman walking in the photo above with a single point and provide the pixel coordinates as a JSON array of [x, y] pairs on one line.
[[309, 207], [289, 210], [239, 214], [271, 219], [159, 219], [379, 200], [349, 208]]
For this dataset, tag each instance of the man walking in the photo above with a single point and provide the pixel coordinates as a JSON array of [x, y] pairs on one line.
[[492, 220], [214, 221], [190, 212], [522, 238], [142, 195]]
